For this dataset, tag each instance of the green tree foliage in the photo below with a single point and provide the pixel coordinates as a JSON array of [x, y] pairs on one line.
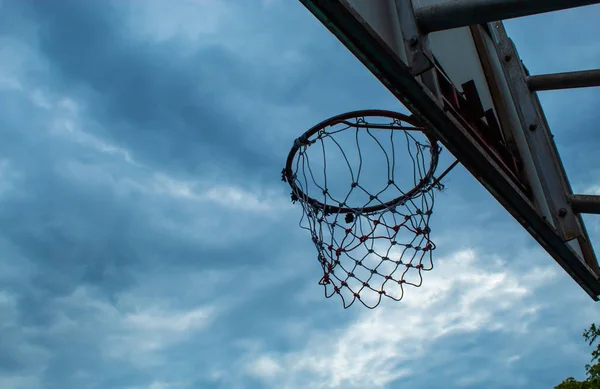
[[592, 335]]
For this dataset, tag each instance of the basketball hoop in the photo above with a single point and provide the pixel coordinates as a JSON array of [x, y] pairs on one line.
[[369, 224]]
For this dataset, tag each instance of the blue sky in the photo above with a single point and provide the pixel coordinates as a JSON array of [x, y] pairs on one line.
[[147, 241]]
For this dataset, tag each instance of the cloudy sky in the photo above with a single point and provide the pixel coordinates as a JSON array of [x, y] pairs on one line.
[[146, 240]]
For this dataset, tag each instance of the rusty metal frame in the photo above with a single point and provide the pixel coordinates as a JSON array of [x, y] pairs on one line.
[[548, 164]]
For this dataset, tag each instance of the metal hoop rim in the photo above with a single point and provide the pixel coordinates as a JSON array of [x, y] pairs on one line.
[[412, 120]]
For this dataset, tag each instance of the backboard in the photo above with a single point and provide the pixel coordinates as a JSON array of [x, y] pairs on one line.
[[454, 67]]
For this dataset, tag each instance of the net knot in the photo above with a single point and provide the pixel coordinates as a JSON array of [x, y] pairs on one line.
[[325, 280]]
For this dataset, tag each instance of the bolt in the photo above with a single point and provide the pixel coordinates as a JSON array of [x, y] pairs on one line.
[[413, 42], [532, 127], [507, 57], [562, 212]]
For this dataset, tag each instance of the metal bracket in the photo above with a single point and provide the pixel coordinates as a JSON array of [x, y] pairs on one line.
[[418, 53]]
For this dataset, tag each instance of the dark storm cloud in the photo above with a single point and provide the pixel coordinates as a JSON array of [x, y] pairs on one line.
[[172, 106], [76, 230], [70, 229], [83, 232], [166, 106]]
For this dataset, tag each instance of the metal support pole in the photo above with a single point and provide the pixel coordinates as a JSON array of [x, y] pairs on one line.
[[547, 164], [460, 13], [585, 203], [582, 79]]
